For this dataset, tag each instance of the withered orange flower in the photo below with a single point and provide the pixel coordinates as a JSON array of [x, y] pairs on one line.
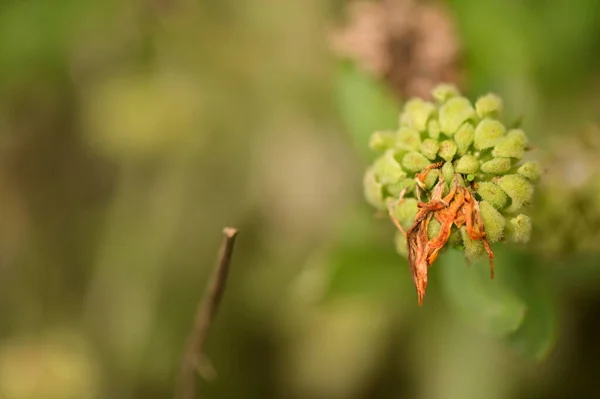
[[459, 207]]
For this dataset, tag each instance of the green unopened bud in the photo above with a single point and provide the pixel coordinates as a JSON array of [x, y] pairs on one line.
[[530, 170], [447, 150], [519, 135], [401, 245], [512, 145], [467, 164], [417, 113], [464, 137], [382, 140], [474, 249], [487, 133], [448, 172], [387, 168], [373, 190], [408, 139], [496, 166], [433, 229], [446, 188], [492, 193], [454, 113], [433, 128], [405, 211], [443, 92], [415, 161], [489, 105], [518, 189], [518, 228], [429, 148], [455, 238], [431, 179], [394, 189], [493, 221]]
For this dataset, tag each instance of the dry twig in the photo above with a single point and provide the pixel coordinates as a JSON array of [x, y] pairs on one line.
[[205, 313]]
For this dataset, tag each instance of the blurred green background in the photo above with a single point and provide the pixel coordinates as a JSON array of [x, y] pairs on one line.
[[132, 132]]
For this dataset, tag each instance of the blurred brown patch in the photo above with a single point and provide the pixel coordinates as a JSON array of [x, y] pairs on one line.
[[413, 45]]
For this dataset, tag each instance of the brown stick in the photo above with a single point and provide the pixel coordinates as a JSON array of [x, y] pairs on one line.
[[205, 313]]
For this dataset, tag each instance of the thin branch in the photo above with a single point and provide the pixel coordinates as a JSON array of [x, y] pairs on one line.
[[205, 313]]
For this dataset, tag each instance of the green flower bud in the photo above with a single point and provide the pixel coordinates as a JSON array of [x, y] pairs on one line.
[[488, 105], [394, 189], [447, 150], [464, 137], [433, 128], [415, 161], [519, 228], [519, 135], [408, 139], [431, 179], [492, 193], [429, 148], [487, 133], [455, 238], [405, 211], [512, 145], [446, 188], [530, 170], [373, 190], [443, 92], [387, 169], [518, 189], [493, 221], [448, 172], [383, 140], [454, 113], [433, 229], [467, 164], [417, 113], [474, 249], [461, 181], [496, 166], [401, 245]]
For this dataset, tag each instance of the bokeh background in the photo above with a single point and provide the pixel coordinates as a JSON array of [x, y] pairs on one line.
[[132, 132]]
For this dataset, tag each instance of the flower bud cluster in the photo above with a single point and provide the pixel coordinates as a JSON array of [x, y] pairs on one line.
[[470, 140]]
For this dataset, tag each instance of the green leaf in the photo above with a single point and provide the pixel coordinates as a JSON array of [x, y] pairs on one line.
[[537, 335], [516, 305], [363, 262], [359, 271], [488, 305], [365, 105]]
